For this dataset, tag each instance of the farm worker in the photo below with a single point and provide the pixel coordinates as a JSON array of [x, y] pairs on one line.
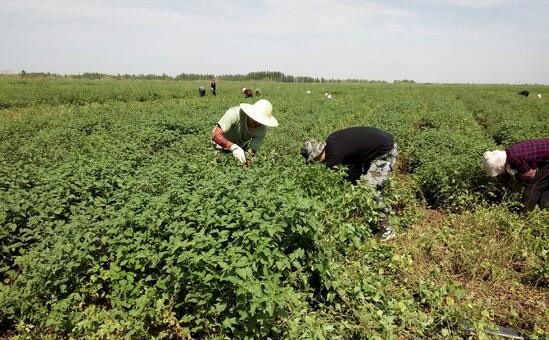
[[213, 86], [530, 160], [248, 93], [201, 91], [243, 127], [365, 151]]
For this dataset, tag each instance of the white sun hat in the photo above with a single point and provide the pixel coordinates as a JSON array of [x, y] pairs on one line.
[[494, 162], [261, 112]]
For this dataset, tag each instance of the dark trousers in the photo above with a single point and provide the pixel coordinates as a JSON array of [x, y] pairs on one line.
[[536, 190]]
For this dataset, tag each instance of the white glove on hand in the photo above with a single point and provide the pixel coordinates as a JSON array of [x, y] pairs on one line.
[[238, 153]]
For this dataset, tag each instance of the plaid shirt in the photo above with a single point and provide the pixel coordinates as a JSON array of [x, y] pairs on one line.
[[528, 154]]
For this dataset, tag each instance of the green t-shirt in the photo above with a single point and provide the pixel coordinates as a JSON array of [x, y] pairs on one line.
[[235, 128]]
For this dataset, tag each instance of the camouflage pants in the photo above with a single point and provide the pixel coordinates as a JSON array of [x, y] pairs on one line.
[[381, 167], [378, 173]]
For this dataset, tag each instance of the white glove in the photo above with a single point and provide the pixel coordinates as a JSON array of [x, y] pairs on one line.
[[238, 153]]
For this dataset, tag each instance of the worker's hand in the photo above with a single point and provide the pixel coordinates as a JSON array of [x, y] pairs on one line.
[[530, 174], [238, 153]]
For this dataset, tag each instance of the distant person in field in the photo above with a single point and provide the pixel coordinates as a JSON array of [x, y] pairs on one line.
[[201, 91], [213, 87], [529, 160], [367, 152], [243, 128], [248, 93]]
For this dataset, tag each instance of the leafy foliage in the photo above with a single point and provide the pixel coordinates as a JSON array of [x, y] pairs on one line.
[[117, 219]]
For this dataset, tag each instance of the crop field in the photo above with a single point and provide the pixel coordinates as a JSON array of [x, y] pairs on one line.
[[117, 219]]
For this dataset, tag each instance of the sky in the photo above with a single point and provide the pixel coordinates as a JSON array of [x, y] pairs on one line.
[[447, 41]]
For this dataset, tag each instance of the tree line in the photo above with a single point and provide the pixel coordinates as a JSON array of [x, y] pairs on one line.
[[275, 76]]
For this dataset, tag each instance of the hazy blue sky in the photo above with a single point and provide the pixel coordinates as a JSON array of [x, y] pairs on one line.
[[495, 41]]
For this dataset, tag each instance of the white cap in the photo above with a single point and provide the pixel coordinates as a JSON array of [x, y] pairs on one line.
[[494, 162]]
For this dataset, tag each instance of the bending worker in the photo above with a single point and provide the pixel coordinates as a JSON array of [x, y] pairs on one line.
[[366, 151], [243, 128], [530, 160]]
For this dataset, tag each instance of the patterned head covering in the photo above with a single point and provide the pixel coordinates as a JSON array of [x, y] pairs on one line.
[[311, 149]]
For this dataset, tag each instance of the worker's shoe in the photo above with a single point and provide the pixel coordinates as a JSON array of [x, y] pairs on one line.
[[386, 234]]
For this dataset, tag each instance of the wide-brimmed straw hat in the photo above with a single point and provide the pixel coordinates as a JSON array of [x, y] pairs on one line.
[[261, 112], [494, 162]]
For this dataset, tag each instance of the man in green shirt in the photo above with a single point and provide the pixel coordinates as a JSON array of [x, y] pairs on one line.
[[243, 127]]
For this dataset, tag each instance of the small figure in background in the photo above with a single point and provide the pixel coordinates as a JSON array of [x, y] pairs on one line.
[[524, 93], [258, 92], [539, 95], [248, 93], [213, 87], [202, 91]]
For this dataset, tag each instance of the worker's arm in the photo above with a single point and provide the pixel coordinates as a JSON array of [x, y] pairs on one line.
[[218, 136]]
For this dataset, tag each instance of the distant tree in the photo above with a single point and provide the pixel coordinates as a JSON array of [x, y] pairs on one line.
[[193, 76], [405, 81]]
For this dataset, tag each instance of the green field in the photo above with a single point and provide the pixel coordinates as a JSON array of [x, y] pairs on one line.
[[118, 220]]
